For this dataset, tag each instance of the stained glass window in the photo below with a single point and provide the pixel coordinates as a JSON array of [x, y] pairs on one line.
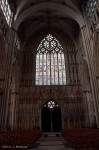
[[6, 11], [50, 63], [51, 104], [90, 7]]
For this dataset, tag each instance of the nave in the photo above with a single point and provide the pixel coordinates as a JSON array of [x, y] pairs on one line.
[[52, 141]]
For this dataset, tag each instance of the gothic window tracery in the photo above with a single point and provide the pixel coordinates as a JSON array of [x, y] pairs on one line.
[[50, 62], [90, 7], [6, 11], [51, 104]]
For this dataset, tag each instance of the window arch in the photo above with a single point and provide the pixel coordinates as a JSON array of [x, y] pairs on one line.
[[50, 62], [51, 104]]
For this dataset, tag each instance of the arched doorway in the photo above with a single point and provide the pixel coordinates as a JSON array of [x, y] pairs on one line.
[[51, 120]]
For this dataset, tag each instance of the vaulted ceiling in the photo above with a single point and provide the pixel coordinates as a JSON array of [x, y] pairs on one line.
[[37, 16]]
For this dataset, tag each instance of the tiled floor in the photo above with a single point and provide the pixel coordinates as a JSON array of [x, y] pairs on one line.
[[52, 142]]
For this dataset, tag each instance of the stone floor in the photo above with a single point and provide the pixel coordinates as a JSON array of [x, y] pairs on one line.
[[51, 142]]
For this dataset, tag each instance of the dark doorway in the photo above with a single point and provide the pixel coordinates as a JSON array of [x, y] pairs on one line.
[[51, 118], [46, 120], [56, 120]]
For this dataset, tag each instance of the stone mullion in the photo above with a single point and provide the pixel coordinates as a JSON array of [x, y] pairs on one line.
[[50, 70], [42, 69], [58, 69], [61, 67], [68, 66], [46, 69], [92, 72], [54, 67], [39, 69]]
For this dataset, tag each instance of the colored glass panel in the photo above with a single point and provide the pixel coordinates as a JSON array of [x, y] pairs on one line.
[[50, 63]]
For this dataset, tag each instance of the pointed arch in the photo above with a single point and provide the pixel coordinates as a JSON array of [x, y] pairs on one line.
[[51, 104]]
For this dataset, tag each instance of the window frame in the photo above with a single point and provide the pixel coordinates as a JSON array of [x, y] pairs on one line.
[[49, 54]]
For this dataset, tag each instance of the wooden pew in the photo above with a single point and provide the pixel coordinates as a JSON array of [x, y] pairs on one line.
[[82, 139], [19, 138]]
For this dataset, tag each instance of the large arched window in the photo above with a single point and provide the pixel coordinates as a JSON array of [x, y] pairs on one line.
[[50, 63], [90, 7]]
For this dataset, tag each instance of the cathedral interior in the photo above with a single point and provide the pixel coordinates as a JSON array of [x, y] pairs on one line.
[[49, 64]]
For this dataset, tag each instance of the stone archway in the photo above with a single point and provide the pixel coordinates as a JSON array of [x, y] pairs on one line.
[[51, 120]]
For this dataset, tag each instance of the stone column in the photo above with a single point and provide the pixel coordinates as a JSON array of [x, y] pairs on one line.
[[88, 46]]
